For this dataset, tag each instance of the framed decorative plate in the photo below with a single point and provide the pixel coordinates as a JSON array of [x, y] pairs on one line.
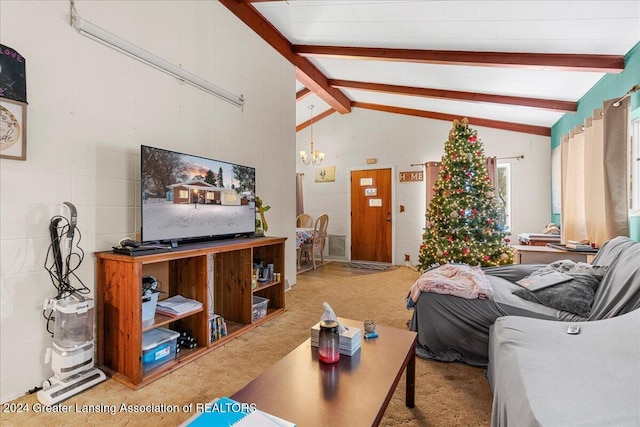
[[13, 129]]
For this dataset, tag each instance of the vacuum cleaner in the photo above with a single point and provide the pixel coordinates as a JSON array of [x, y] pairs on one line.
[[72, 352]]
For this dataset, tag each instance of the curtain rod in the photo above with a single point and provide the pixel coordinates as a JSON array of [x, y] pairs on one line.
[[520, 157], [635, 88]]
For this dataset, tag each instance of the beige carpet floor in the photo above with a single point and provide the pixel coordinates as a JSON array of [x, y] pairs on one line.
[[446, 394]]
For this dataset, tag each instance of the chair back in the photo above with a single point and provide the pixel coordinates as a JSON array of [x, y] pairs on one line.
[[320, 228], [304, 221]]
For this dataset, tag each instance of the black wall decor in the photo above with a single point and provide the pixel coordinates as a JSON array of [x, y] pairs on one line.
[[13, 76]]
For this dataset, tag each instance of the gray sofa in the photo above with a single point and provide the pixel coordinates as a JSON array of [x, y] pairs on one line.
[[453, 329], [542, 376], [539, 374]]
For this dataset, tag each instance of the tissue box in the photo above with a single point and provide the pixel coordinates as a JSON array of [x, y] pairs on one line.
[[350, 339]]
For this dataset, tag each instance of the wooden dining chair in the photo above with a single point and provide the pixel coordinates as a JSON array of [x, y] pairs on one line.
[[304, 221], [318, 240]]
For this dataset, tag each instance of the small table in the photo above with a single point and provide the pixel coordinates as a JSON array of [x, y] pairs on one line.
[[546, 255], [303, 235], [537, 239], [354, 392]]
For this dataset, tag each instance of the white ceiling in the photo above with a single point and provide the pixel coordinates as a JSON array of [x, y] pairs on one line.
[[565, 27]]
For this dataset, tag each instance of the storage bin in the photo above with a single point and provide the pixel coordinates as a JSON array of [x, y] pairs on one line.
[[259, 307], [158, 347]]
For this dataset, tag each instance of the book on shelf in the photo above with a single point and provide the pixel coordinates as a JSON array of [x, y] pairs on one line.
[[177, 305], [228, 412], [217, 327]]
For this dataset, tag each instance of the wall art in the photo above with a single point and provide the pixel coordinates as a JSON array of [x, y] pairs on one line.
[[13, 129]]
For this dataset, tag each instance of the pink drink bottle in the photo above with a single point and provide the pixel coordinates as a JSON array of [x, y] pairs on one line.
[[329, 342]]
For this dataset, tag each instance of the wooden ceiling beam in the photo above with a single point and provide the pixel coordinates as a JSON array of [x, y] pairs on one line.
[[545, 61], [547, 104], [316, 119], [306, 72], [302, 93], [311, 77], [495, 124]]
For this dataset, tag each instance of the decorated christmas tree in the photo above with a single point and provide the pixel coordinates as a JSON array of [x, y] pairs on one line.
[[465, 222]]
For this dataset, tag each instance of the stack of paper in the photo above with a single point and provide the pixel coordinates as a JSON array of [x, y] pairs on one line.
[[177, 305], [582, 245], [350, 339]]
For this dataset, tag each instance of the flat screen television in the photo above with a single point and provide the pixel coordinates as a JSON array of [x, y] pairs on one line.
[[189, 198]]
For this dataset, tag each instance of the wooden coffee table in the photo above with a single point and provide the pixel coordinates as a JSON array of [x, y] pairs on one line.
[[353, 392]]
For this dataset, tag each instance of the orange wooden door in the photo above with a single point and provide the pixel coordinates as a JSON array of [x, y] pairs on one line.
[[371, 215]]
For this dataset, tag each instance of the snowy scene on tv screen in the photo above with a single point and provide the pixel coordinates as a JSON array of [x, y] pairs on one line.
[[187, 196]]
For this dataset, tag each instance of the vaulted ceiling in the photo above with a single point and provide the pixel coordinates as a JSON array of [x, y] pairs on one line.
[[514, 65]]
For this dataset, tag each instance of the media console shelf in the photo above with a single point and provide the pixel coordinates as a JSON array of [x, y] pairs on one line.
[[188, 270]]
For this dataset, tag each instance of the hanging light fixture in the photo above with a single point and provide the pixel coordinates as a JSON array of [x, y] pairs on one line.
[[313, 157]]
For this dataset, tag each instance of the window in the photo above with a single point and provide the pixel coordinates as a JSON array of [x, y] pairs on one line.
[[634, 191], [231, 198], [504, 192]]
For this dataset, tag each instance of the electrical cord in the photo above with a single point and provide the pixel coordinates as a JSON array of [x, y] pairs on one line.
[[61, 280]]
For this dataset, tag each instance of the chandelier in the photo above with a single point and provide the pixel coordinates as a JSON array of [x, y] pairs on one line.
[[313, 157]]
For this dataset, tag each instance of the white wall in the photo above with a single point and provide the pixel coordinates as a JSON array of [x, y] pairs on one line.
[[90, 109], [397, 141]]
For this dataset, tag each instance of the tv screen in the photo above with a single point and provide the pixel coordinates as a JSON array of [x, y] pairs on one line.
[[191, 197]]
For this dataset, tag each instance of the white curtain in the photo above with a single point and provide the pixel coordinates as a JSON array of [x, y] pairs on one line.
[[595, 217], [595, 176], [574, 225]]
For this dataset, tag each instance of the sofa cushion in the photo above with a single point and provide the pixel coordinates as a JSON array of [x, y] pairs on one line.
[[575, 296]]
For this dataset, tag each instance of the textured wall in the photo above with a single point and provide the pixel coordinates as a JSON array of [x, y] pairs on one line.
[[90, 109], [398, 141]]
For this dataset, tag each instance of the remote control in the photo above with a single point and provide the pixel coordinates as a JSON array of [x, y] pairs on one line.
[[573, 329]]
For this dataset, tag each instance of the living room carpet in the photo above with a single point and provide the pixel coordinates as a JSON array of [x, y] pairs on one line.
[[446, 394]]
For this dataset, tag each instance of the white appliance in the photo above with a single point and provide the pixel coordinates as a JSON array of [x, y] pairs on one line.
[[72, 353], [71, 357]]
